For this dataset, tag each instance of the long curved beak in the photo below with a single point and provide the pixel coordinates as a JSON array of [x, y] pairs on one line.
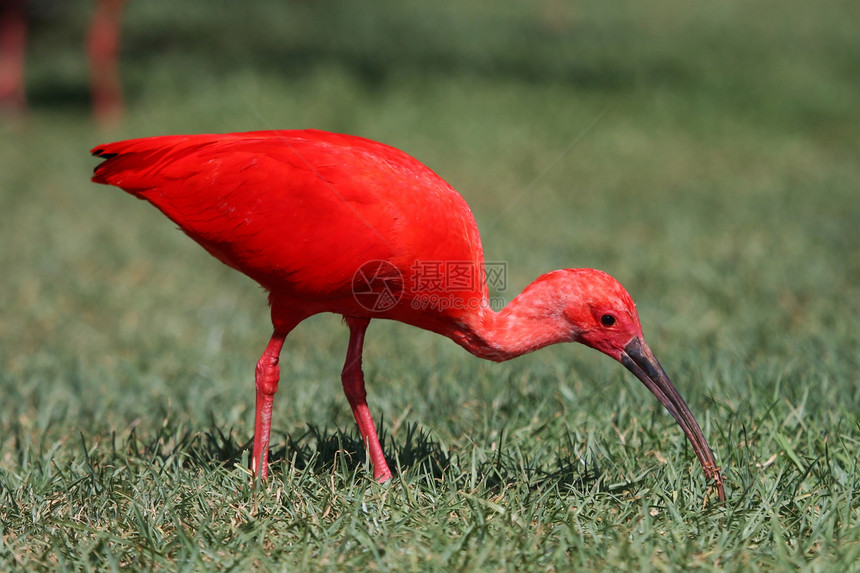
[[639, 359]]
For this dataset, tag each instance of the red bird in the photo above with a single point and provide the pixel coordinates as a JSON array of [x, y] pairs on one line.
[[337, 223]]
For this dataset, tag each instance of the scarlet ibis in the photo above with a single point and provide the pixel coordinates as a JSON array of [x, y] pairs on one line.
[[336, 223]]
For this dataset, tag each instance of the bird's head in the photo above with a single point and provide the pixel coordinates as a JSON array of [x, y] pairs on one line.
[[601, 314]]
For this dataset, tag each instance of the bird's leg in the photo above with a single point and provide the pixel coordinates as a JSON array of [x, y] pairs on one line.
[[103, 42], [267, 376], [13, 52], [353, 386]]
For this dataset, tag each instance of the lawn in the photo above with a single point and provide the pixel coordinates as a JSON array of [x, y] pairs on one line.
[[705, 154]]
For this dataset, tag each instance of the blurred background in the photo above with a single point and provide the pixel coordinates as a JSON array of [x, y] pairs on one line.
[[706, 154]]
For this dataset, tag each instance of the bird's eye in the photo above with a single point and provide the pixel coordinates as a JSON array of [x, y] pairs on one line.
[[607, 320]]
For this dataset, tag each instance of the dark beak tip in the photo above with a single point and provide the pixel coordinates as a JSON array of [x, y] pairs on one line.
[[639, 359]]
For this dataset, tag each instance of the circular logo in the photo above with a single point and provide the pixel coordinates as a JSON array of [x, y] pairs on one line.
[[377, 286]]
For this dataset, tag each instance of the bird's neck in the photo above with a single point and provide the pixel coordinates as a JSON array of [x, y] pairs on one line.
[[529, 322]]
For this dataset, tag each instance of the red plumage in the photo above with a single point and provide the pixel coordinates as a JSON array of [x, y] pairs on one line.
[[323, 220], [301, 211]]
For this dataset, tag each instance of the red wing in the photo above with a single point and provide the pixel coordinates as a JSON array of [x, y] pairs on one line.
[[298, 211]]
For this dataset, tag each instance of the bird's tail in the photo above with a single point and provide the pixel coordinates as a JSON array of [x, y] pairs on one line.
[[132, 164]]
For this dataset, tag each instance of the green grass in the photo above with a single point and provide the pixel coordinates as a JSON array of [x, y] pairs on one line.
[[704, 154]]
